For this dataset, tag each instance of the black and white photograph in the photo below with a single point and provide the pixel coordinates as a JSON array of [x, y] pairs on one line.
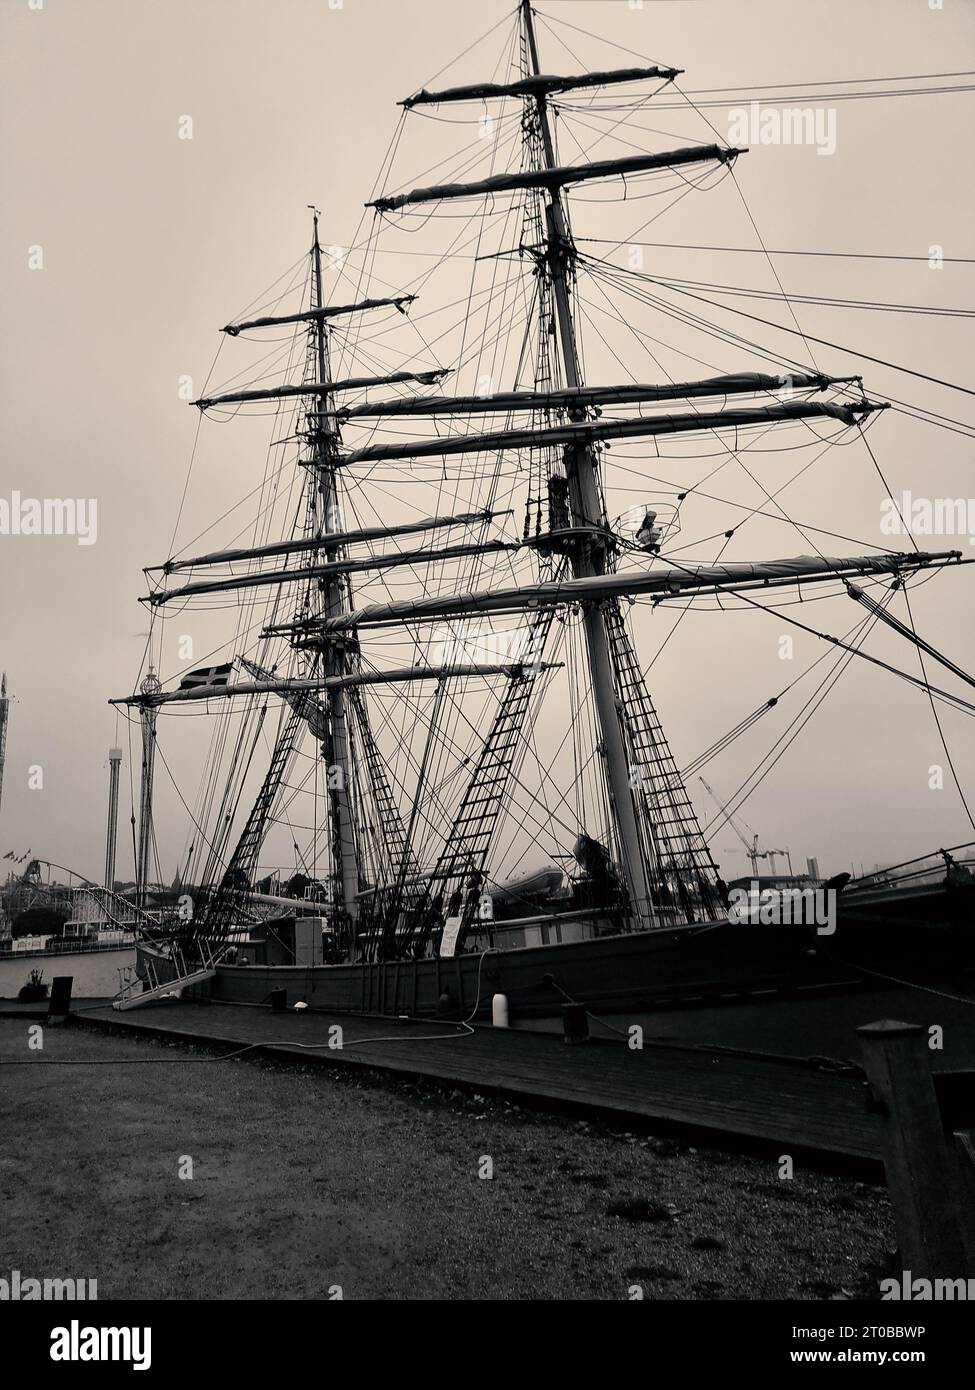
[[487, 775]]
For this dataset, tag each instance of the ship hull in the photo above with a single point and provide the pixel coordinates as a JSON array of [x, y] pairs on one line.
[[609, 974]]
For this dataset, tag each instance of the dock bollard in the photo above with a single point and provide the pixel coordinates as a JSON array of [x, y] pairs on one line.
[[499, 1010], [59, 1004], [279, 1000], [575, 1023]]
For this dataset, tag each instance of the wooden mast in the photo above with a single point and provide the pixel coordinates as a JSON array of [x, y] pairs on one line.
[[588, 556], [336, 746], [150, 687]]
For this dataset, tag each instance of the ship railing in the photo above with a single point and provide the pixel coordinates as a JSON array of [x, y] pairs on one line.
[[926, 866], [132, 984]]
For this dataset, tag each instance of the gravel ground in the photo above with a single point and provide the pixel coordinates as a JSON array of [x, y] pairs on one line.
[[305, 1179]]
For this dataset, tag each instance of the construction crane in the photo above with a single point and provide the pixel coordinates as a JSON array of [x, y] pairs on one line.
[[751, 847]]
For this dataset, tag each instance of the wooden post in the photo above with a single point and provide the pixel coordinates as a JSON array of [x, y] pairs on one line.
[[59, 1004], [965, 1160], [575, 1023], [920, 1168]]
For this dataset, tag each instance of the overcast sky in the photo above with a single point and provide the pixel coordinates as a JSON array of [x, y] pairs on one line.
[[148, 243]]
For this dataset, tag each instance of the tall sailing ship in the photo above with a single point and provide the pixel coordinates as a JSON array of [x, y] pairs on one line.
[[449, 576]]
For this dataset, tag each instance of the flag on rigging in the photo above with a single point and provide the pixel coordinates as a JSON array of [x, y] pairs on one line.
[[207, 675]]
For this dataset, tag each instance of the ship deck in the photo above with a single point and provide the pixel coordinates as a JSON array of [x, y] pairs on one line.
[[759, 1087]]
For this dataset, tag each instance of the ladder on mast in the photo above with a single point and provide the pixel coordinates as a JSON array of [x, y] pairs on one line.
[[468, 843], [234, 888], [678, 849]]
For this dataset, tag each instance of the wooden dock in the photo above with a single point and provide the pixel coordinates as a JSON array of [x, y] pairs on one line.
[[791, 1105]]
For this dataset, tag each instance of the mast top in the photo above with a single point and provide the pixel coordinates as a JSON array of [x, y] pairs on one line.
[[315, 215]]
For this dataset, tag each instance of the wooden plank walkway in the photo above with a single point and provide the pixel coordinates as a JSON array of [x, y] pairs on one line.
[[822, 1023], [793, 1107]]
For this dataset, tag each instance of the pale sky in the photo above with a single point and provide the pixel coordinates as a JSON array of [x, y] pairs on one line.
[[150, 243]]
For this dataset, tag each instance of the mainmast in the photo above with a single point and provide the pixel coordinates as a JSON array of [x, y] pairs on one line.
[[588, 555], [336, 744]]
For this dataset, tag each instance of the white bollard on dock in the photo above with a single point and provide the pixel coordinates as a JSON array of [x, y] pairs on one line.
[[499, 1010]]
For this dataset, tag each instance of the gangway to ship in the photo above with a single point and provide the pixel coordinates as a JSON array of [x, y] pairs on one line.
[[133, 993]]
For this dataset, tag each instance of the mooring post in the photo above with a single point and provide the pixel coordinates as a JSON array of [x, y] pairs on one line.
[[575, 1023], [965, 1162], [59, 1004], [920, 1169]]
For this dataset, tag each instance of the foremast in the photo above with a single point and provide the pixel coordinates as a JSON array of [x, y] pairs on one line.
[[333, 669]]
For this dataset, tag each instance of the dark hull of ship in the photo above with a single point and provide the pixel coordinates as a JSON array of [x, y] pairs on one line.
[[615, 974]]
